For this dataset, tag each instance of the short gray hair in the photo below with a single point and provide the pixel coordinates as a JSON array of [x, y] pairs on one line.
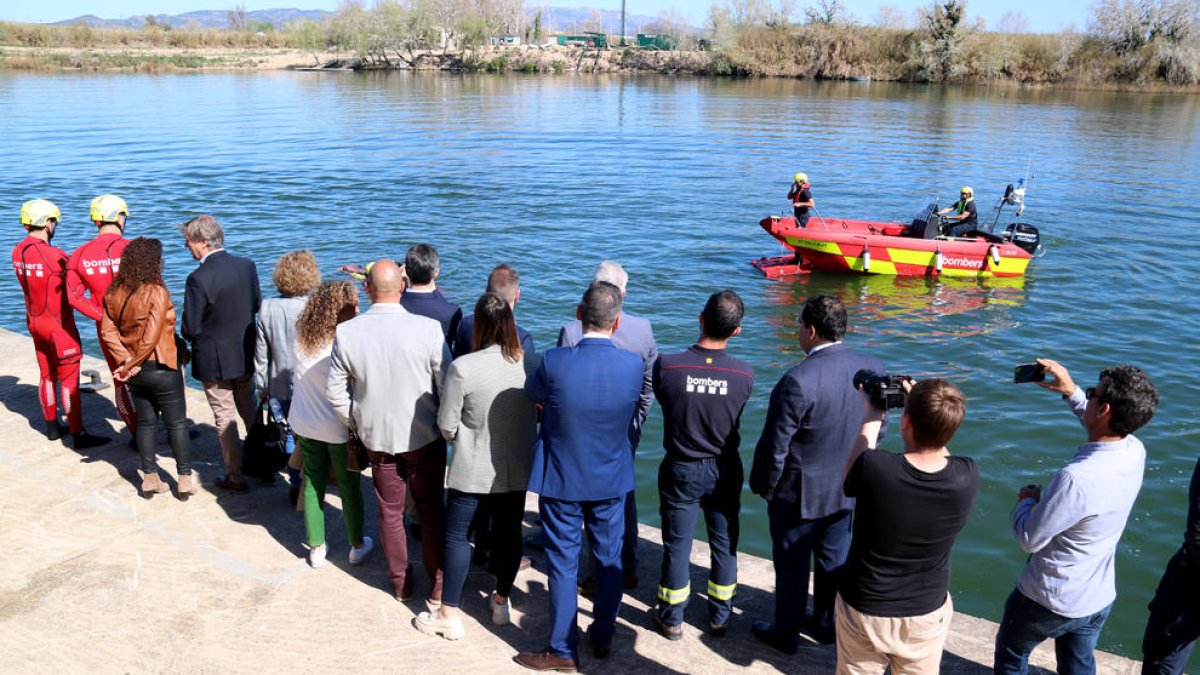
[[611, 272], [204, 228]]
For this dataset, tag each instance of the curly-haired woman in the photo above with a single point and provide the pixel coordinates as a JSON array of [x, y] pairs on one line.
[[296, 275], [138, 327], [320, 435]]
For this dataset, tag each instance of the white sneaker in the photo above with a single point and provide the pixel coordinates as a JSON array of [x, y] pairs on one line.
[[500, 613], [451, 629], [360, 554], [316, 556]]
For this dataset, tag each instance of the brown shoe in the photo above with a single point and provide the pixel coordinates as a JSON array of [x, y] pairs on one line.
[[152, 485], [227, 483], [187, 487], [545, 661]]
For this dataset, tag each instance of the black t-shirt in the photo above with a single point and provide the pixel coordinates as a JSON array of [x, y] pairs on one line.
[[905, 523], [702, 393]]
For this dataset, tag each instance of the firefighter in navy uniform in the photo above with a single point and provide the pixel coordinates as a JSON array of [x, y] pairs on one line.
[[702, 392]]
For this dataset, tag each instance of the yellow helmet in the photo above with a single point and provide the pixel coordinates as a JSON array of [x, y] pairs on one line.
[[106, 208], [36, 212], [800, 177], [967, 191]]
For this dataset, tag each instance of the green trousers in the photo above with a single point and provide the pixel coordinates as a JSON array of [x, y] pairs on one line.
[[319, 458]]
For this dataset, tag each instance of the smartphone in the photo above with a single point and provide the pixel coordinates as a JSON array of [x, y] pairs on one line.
[[1029, 372]]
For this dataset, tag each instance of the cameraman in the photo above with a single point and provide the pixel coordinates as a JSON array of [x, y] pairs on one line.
[[893, 606], [1072, 528]]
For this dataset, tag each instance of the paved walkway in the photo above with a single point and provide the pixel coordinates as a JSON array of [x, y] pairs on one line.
[[95, 579]]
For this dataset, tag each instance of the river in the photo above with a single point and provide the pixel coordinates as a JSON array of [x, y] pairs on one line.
[[669, 177]]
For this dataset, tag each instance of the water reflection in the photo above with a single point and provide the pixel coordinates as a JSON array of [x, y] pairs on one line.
[[915, 308]]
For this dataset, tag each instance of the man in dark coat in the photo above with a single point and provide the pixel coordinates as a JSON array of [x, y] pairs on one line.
[[221, 298], [812, 423]]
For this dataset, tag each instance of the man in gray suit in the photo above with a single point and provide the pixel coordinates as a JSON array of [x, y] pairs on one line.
[[386, 375], [634, 335]]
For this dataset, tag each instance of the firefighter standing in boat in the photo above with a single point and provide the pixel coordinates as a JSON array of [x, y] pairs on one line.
[[964, 212], [800, 195]]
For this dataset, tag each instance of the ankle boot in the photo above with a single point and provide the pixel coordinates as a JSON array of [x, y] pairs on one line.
[[152, 485], [53, 431], [83, 440], [186, 487]]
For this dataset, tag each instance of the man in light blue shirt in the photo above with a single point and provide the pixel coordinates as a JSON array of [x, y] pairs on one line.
[[1072, 528]]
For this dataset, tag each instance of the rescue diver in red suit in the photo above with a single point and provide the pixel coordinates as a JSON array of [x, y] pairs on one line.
[[41, 271], [90, 272]]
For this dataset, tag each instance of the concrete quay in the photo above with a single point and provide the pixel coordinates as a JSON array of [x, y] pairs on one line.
[[95, 579]]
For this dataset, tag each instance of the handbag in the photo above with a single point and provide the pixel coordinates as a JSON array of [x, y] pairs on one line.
[[263, 451], [356, 451]]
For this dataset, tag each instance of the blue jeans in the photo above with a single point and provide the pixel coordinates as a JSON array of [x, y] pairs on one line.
[[507, 510], [1026, 624], [685, 488]]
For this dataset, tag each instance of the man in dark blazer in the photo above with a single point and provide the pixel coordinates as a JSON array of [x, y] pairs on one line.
[[422, 297], [220, 301], [582, 469], [812, 422], [505, 282], [635, 335]]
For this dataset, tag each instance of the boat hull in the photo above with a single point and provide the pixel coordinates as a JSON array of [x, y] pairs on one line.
[[864, 247]]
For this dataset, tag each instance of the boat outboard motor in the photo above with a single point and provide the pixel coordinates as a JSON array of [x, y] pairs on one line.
[[1025, 236]]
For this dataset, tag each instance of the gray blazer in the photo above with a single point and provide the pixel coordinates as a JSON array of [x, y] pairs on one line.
[[491, 423], [392, 362], [633, 334], [273, 358]]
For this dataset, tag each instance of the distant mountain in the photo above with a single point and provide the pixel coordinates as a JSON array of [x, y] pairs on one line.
[[212, 18], [555, 19]]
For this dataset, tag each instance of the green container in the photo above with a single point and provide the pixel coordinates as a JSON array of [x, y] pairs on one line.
[[655, 41], [592, 40]]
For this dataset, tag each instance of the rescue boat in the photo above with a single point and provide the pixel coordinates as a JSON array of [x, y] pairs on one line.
[[919, 248]]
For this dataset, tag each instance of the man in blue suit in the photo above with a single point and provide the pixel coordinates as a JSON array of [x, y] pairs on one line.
[[422, 296], [583, 468], [221, 298], [812, 422], [636, 336]]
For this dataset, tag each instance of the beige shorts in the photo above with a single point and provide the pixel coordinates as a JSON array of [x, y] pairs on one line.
[[870, 644]]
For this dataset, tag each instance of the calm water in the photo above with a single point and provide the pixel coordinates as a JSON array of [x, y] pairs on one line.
[[670, 177]]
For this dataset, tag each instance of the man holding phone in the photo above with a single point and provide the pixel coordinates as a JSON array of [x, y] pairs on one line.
[[1071, 528]]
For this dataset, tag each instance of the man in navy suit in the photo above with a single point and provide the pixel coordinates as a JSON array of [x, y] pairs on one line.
[[583, 468], [221, 298], [422, 297], [636, 336], [505, 282], [812, 422]]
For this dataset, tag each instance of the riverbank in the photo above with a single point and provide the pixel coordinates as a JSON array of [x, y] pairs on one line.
[[552, 60], [96, 579]]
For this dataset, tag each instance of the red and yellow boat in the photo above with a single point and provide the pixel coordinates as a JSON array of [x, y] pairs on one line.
[[919, 248]]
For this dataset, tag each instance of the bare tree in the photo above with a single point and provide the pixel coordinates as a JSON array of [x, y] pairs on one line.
[[827, 12], [1013, 22], [237, 18], [891, 16]]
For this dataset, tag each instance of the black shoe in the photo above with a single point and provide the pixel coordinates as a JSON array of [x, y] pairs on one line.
[[769, 635], [84, 440], [667, 630], [602, 651], [54, 430], [819, 634], [717, 630]]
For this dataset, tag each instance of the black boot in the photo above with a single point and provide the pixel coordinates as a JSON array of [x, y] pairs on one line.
[[84, 440], [53, 431]]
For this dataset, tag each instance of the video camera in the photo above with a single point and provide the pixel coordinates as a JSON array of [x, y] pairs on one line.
[[884, 391]]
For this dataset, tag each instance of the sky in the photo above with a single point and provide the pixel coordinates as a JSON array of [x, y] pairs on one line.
[[1038, 15]]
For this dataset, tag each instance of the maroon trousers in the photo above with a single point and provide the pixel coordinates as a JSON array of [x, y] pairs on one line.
[[424, 472]]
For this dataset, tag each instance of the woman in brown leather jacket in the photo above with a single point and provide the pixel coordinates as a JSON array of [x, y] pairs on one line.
[[138, 328]]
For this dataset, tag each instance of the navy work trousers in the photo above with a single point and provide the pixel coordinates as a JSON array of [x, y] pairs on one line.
[[1174, 618]]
